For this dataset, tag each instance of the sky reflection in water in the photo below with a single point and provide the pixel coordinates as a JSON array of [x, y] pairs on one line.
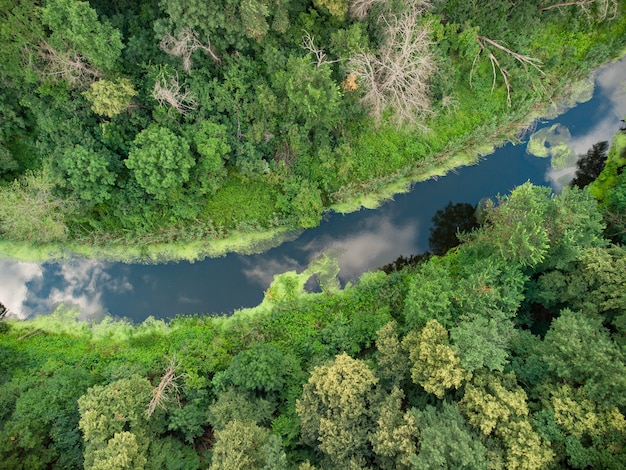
[[361, 241]]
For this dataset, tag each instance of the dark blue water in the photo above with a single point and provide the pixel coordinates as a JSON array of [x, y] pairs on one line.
[[363, 240]]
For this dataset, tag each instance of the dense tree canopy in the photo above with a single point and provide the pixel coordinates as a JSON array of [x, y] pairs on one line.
[[497, 365], [165, 121]]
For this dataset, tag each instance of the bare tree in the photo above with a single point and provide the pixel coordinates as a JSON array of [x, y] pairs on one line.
[[397, 78], [605, 9], [184, 44], [308, 43], [162, 393], [67, 65], [360, 8], [525, 60], [167, 90]]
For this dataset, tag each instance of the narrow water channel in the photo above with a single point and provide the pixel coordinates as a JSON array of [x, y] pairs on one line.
[[362, 240]]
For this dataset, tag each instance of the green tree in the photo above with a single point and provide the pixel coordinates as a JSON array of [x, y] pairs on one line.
[[75, 26], [516, 227], [233, 405], [160, 161], [392, 358], [335, 410], [309, 96], [578, 349], [42, 428], [211, 143], [483, 342], [446, 441], [261, 367], [87, 173]]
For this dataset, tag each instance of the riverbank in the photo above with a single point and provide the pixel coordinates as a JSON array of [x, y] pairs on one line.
[[369, 195]]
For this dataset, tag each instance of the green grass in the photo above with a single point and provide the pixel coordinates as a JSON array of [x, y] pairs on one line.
[[242, 200]]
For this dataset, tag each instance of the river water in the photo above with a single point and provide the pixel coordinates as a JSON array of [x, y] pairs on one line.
[[362, 240]]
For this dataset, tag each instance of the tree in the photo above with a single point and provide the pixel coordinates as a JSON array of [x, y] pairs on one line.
[[243, 445], [495, 404], [110, 98], [446, 441], [41, 429], [614, 210], [434, 364], [29, 210], [493, 399], [122, 452], [483, 342], [75, 27], [160, 161], [598, 9], [113, 419], [308, 94], [167, 90], [212, 145], [515, 228], [337, 8], [261, 367], [335, 410], [86, 172], [578, 349], [233, 405], [393, 439], [397, 78], [391, 359]]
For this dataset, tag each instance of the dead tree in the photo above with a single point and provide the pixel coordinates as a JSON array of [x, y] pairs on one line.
[[360, 8], [168, 386], [67, 65], [308, 43], [604, 9], [168, 91], [397, 77], [525, 60], [184, 44]]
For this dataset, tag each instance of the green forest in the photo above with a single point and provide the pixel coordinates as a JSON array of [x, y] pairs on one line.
[[159, 125], [503, 349]]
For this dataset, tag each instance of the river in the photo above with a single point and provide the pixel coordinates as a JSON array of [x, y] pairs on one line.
[[362, 240]]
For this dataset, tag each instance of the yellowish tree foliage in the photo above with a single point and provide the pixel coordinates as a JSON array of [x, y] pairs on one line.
[[242, 445], [335, 410], [434, 364], [493, 399], [122, 452], [108, 414], [393, 440], [110, 98], [337, 8], [496, 405]]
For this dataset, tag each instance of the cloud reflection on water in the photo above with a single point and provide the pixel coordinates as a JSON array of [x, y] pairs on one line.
[[376, 241], [611, 85], [14, 279], [78, 282]]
